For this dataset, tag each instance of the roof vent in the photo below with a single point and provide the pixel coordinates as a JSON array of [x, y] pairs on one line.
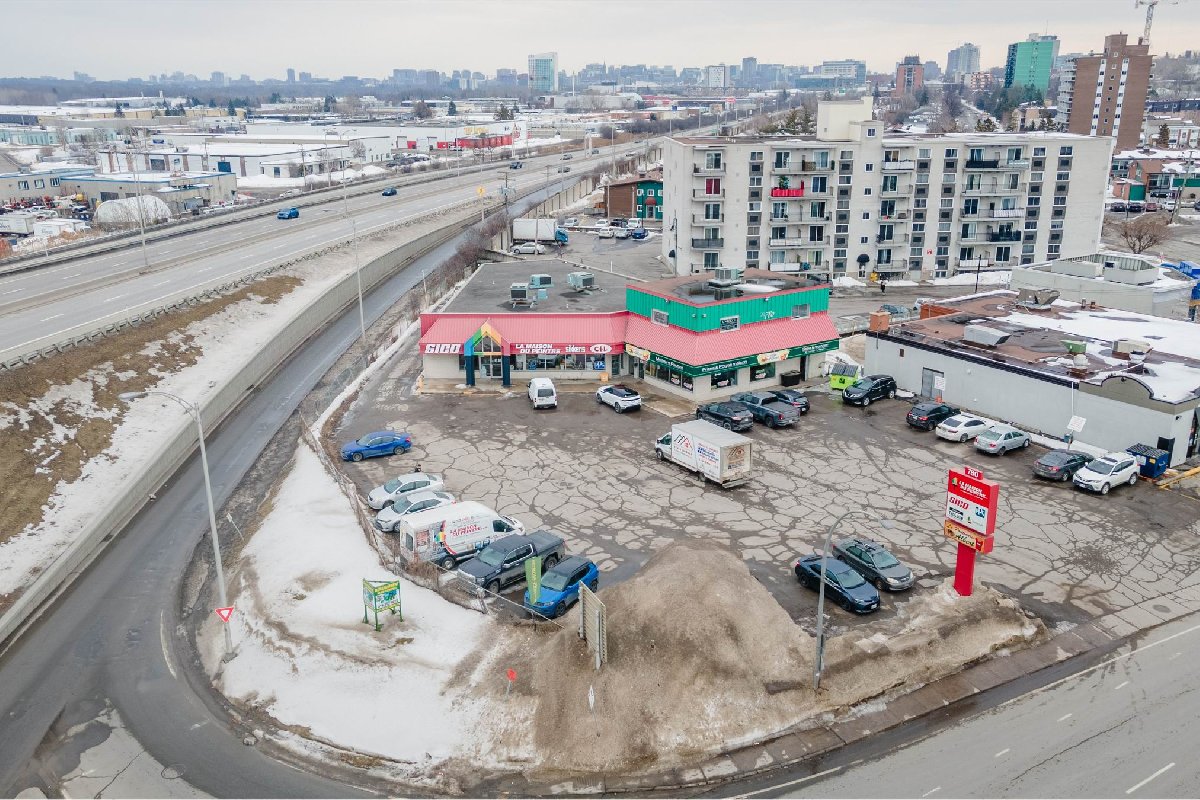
[[1037, 299], [725, 276], [984, 336]]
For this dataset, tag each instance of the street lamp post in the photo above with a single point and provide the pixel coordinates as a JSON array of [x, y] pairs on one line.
[[362, 319], [138, 199], [819, 663], [194, 410]]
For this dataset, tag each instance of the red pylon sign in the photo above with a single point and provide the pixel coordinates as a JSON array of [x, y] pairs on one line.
[[225, 613]]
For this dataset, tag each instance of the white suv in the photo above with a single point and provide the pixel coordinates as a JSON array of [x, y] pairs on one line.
[[1102, 474]]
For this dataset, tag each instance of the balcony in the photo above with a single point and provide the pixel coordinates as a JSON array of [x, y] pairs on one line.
[[891, 268], [700, 219], [985, 163], [890, 166], [779, 218], [993, 190], [1018, 163], [1004, 236], [781, 243], [1006, 213], [697, 169], [701, 194], [974, 263], [899, 190], [707, 244], [896, 239], [787, 192]]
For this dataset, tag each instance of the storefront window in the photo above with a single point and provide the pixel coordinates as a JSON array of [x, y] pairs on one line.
[[542, 362], [572, 362], [596, 363], [722, 380], [765, 372], [669, 376]]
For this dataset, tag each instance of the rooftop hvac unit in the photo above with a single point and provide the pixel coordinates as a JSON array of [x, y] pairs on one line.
[[726, 276], [519, 291], [985, 336], [581, 281], [540, 281], [725, 292]]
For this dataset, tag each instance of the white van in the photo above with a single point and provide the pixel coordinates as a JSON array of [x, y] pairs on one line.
[[542, 393], [452, 533]]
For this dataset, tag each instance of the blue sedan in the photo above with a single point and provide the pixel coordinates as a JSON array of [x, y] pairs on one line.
[[289, 213], [847, 588], [389, 192], [560, 586], [379, 443]]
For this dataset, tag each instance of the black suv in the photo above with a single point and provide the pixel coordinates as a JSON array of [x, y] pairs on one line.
[[729, 415], [865, 390], [926, 416], [874, 563], [793, 397]]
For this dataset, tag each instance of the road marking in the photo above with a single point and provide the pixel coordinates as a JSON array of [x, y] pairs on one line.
[[1002, 752], [162, 636], [76, 275], [114, 297], [931, 791], [1174, 656], [47, 319], [793, 783], [1064, 717], [161, 283], [1140, 784], [1121, 685], [11, 291]]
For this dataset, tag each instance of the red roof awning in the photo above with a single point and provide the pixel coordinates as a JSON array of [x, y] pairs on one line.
[[529, 333], [713, 346]]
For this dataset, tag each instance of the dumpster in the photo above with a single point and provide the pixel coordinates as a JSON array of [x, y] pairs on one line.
[[842, 375], [1152, 462], [791, 378]]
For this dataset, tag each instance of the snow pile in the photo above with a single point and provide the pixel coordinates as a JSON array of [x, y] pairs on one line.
[[1000, 278], [124, 212], [846, 282], [304, 655]]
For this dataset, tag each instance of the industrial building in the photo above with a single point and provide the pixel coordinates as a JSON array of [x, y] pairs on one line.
[[1114, 280]]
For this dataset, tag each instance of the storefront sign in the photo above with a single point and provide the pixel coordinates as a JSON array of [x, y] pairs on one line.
[[637, 352], [442, 349], [976, 541], [745, 361], [972, 500], [549, 349]]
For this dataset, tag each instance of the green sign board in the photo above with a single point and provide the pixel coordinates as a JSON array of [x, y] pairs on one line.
[[745, 361], [533, 578], [380, 596]]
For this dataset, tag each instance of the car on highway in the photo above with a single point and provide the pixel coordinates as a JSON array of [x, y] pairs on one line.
[[606, 233], [567, 156], [515, 165], [619, 397], [768, 409], [288, 213], [560, 586], [865, 390], [999, 439], [961, 428], [638, 233], [729, 415], [388, 518], [1060, 465], [595, 151], [564, 168], [527, 249], [793, 397], [873, 561], [1102, 474], [383, 496], [843, 584], [927, 416], [378, 443], [389, 192]]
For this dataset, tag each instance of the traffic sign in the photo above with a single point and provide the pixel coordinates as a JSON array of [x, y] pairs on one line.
[[225, 613]]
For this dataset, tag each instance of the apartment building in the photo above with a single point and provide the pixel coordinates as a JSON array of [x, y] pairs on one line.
[[962, 61], [1104, 94], [856, 200], [1030, 62], [910, 76]]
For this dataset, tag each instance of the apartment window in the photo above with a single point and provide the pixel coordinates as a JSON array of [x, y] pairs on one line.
[[951, 152], [885, 256], [847, 155], [1039, 151], [918, 227], [1065, 163], [843, 180], [943, 250], [822, 157], [779, 211], [754, 206], [914, 252], [1027, 249], [1033, 201], [38, 183], [659, 317], [948, 177], [779, 232], [923, 152], [1056, 225], [1060, 201], [816, 233], [946, 202], [712, 211], [866, 215], [1063, 176], [782, 160], [922, 179], [752, 255], [887, 233], [1065, 150], [54, 181], [756, 155], [890, 183], [1031, 224], [870, 131], [943, 227], [800, 311], [712, 185], [712, 233], [712, 260], [818, 185], [865, 240], [839, 253], [1014, 154], [870, 167], [817, 210], [22, 184], [756, 181], [867, 191], [920, 202], [1035, 177], [887, 208], [712, 160]]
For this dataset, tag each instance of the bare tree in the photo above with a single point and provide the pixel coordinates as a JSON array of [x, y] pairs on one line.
[[1144, 232]]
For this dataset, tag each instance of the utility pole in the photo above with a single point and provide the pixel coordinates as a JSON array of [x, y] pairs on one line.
[[1177, 197]]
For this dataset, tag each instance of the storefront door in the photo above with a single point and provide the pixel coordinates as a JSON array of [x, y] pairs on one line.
[[492, 366]]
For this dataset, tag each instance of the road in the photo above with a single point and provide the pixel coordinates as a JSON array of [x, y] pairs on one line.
[[113, 637], [1122, 728], [44, 302]]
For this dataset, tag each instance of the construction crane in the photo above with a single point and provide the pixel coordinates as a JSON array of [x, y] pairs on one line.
[[1150, 6]]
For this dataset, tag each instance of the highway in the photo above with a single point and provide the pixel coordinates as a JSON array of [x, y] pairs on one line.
[[1125, 727], [55, 299]]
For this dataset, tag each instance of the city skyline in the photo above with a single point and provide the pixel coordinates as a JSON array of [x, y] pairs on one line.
[[484, 36]]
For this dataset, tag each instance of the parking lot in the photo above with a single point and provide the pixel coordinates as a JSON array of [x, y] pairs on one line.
[[591, 475]]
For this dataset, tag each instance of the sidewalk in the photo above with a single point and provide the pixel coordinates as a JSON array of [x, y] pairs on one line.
[[793, 747]]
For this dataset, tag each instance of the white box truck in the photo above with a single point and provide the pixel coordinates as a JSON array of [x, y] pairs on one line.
[[453, 533], [546, 231], [721, 456]]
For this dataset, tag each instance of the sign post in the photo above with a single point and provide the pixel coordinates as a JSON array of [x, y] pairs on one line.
[[971, 504], [381, 596]]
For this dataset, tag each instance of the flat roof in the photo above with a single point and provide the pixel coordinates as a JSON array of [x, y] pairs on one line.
[[696, 290], [487, 290], [1170, 370], [148, 177], [889, 137]]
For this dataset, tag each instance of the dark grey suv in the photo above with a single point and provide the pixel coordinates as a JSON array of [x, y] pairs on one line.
[[866, 390], [730, 415], [874, 563]]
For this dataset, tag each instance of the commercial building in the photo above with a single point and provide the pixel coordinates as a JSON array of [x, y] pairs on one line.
[[182, 192], [962, 61], [851, 72], [856, 200], [36, 183], [1105, 94], [639, 198], [543, 73], [716, 76], [1115, 378], [910, 76], [1114, 280], [1030, 62]]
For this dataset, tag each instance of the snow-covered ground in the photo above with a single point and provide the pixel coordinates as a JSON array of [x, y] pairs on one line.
[[1001, 278], [266, 182]]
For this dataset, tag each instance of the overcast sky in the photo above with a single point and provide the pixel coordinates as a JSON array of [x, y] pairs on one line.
[[113, 39]]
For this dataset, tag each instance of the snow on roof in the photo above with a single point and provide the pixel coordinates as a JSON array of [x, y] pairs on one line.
[[1153, 152], [1165, 335]]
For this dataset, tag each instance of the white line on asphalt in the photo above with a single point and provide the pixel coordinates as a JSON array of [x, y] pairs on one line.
[[1064, 717], [47, 319], [162, 637], [1174, 656], [931, 791], [76, 275], [792, 783], [114, 297], [160, 283], [1140, 784], [11, 291], [1102, 664], [1121, 685], [1002, 752]]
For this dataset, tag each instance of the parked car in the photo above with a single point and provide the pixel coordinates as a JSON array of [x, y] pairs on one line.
[[927, 416], [873, 387], [384, 496], [1135, 208], [638, 233], [389, 192], [1117, 207], [1151, 206], [560, 586], [731, 416], [289, 213], [1108, 471], [845, 586], [1000, 439], [961, 427], [602, 223], [1196, 205], [542, 393], [768, 409], [528, 249], [606, 233], [564, 168], [379, 443], [571, 222], [503, 561], [619, 396], [621, 233], [515, 165], [873, 561], [388, 518], [595, 151], [796, 398], [1060, 465]]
